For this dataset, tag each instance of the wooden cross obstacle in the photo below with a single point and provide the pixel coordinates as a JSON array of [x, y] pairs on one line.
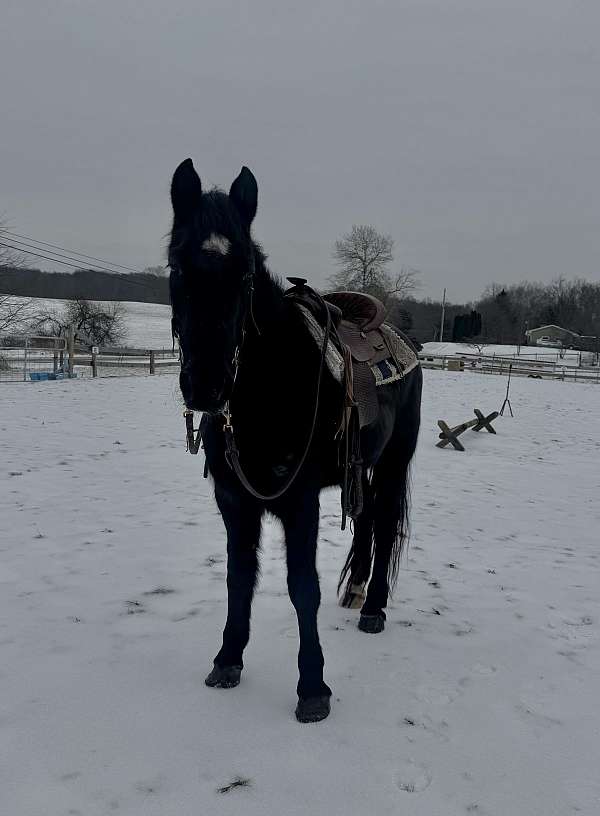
[[449, 436]]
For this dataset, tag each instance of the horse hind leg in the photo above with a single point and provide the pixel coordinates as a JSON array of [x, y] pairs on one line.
[[357, 569]]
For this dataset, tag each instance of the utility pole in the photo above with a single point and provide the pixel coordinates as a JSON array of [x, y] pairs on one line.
[[71, 350], [443, 317], [524, 325]]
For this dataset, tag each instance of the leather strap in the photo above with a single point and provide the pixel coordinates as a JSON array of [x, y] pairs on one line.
[[233, 456]]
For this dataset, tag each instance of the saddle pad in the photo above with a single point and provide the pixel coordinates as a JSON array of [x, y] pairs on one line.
[[335, 361], [389, 365], [402, 353], [386, 372]]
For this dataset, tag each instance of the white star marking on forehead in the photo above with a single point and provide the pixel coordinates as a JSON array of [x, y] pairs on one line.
[[216, 243]]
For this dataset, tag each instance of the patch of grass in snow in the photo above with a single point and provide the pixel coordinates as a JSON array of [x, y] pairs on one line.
[[134, 607], [238, 782], [160, 590]]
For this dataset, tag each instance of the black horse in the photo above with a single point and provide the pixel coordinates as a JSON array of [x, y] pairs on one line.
[[248, 360]]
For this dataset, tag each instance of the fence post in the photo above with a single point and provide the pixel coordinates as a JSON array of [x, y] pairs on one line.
[[71, 350], [25, 360], [94, 361], [152, 365]]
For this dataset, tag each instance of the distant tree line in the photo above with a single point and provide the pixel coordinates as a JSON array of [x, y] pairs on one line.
[[508, 311], [91, 284], [503, 314]]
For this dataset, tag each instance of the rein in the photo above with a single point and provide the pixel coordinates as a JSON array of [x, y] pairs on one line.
[[193, 438], [232, 451], [192, 435]]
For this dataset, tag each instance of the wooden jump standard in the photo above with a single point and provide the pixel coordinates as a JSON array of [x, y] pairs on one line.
[[449, 436]]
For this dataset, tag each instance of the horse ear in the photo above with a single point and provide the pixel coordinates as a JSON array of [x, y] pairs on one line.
[[186, 189], [244, 194]]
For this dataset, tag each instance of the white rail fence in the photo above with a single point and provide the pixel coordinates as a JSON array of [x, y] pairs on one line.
[[30, 358], [49, 358], [579, 369]]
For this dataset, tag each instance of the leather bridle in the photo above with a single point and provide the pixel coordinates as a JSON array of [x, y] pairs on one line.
[[299, 291]]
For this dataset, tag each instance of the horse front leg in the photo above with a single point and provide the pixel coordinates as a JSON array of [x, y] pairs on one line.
[[301, 526], [242, 518]]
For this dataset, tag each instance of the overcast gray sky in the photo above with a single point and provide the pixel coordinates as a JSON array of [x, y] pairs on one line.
[[468, 129]]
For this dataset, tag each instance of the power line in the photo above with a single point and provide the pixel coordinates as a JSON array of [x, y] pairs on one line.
[[37, 255], [23, 247], [64, 249]]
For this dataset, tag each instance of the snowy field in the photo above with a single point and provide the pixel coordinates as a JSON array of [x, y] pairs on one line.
[[148, 324], [542, 354], [481, 697]]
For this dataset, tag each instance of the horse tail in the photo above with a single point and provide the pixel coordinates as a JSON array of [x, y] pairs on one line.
[[386, 516], [401, 538], [356, 571]]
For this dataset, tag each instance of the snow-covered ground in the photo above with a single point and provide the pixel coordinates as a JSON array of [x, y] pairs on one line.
[[481, 697]]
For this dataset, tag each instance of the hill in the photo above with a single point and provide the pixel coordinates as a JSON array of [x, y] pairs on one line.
[[89, 284]]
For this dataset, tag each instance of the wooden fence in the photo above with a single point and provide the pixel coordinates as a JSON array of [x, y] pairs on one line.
[[43, 358], [115, 361], [520, 366], [25, 358]]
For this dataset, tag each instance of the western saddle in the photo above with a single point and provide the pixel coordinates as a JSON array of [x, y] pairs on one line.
[[358, 318], [359, 334]]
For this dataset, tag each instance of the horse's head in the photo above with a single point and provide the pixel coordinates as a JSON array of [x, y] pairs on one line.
[[211, 255]]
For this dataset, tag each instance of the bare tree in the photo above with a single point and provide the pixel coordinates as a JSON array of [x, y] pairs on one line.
[[363, 257], [94, 323], [405, 283], [15, 313], [51, 322], [477, 344]]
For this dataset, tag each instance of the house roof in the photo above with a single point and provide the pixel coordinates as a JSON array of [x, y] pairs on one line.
[[551, 326]]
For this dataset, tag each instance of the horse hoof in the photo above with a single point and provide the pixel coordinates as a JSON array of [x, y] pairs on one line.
[[354, 597], [313, 709], [224, 677], [371, 624]]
